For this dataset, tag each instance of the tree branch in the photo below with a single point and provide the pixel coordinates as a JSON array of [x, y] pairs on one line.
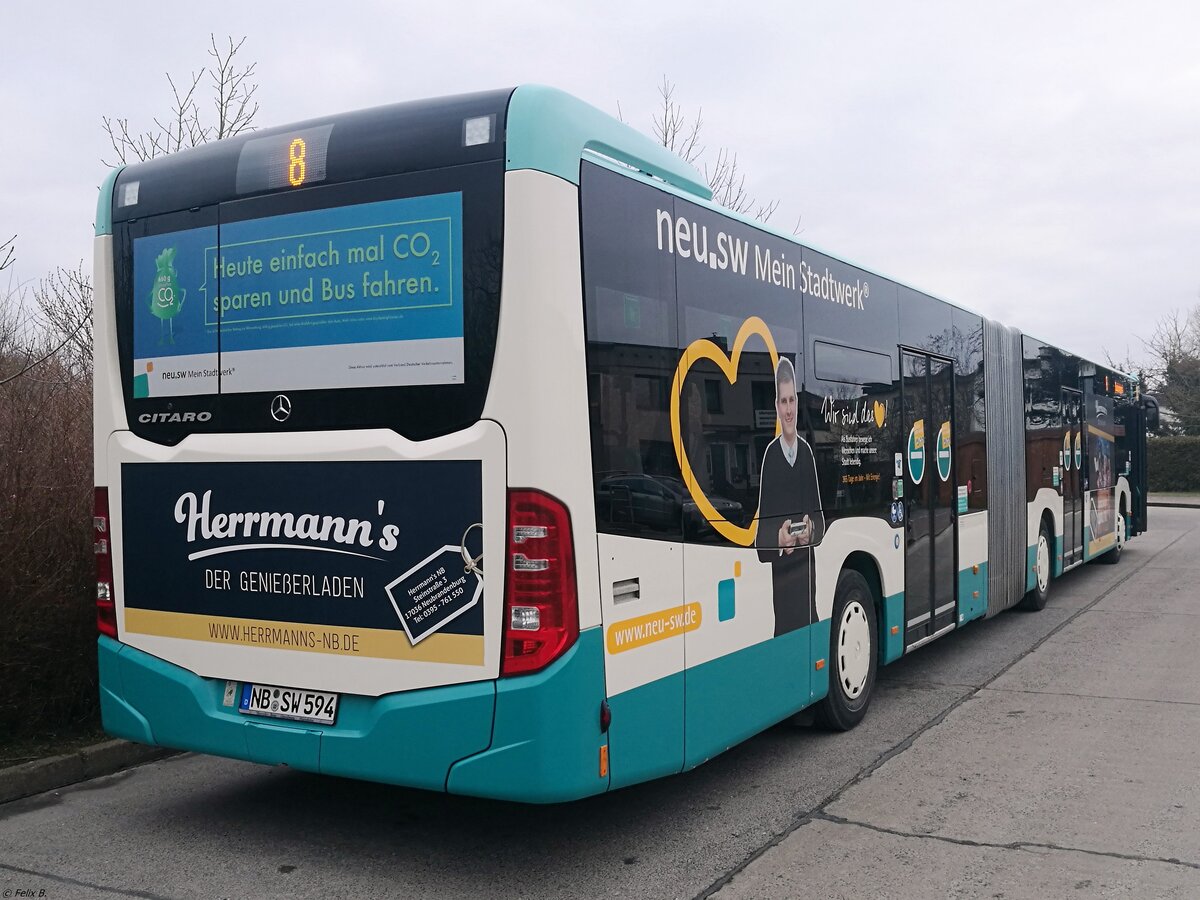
[[233, 103], [672, 127], [7, 252]]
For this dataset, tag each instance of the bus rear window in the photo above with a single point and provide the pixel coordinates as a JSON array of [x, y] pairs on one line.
[[371, 304], [368, 295]]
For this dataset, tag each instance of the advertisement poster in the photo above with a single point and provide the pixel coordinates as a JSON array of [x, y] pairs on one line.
[[1102, 508], [354, 296], [377, 559]]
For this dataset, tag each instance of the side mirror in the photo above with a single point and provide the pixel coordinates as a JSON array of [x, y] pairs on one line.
[[1150, 406]]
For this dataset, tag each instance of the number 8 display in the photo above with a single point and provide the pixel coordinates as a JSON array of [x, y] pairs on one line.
[[296, 164]]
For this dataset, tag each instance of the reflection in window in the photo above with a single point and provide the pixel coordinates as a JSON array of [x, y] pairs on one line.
[[624, 317], [632, 352], [725, 433], [651, 392], [762, 394], [712, 395], [741, 461], [833, 362]]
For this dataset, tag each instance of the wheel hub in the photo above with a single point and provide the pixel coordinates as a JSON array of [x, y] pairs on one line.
[[1043, 563], [853, 649]]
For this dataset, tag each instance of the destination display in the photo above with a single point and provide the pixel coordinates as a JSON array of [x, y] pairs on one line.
[[293, 159], [356, 296]]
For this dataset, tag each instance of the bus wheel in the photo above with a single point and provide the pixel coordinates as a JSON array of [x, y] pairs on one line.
[[1036, 599], [1113, 556], [853, 653]]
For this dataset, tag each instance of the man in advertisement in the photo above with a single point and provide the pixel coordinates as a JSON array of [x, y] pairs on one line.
[[790, 520]]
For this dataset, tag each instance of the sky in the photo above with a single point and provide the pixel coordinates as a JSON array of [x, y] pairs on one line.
[[1038, 162]]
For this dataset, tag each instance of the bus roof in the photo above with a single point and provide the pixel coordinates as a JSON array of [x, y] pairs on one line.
[[404, 137], [537, 127], [550, 131]]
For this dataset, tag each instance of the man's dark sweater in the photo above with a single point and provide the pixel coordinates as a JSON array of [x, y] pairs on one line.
[[789, 492]]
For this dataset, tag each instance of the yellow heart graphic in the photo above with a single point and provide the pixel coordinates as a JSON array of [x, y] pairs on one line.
[[880, 410], [706, 349]]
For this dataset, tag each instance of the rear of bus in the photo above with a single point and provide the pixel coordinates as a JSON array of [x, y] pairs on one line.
[[340, 453]]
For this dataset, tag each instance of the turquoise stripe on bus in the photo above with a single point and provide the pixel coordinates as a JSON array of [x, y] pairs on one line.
[[893, 617], [729, 699], [546, 743], [969, 583], [818, 642], [288, 743], [646, 737], [411, 738], [549, 130], [151, 701], [738, 695], [104, 203], [118, 717]]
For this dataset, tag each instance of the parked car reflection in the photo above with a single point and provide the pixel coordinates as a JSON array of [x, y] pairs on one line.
[[660, 503]]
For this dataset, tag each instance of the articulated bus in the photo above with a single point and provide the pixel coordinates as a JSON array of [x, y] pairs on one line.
[[466, 444]]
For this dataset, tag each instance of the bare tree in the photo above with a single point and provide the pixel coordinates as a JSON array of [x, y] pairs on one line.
[[57, 333], [728, 184], [679, 132], [46, 567], [1169, 367], [12, 337], [233, 90], [7, 251], [64, 311], [234, 108], [15, 327], [59, 328], [671, 127]]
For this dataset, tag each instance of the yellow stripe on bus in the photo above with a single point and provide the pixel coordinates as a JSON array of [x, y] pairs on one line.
[[629, 634], [377, 643]]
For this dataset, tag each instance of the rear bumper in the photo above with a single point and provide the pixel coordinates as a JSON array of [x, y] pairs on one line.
[[535, 738]]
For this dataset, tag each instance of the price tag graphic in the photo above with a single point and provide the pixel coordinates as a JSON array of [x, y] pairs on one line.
[[433, 592]]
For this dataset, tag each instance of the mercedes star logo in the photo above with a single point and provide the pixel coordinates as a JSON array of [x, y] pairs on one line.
[[281, 408]]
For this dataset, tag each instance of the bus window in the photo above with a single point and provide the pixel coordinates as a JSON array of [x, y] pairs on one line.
[[629, 304], [833, 362], [367, 307]]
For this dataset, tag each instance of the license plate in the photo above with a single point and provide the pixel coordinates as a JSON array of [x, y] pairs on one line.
[[288, 703]]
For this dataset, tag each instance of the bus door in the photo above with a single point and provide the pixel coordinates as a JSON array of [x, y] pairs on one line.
[[1072, 478], [929, 496]]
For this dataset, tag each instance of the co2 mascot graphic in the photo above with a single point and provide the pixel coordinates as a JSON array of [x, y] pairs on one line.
[[166, 296]]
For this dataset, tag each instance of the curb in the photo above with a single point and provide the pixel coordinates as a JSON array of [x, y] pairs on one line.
[[89, 762], [1173, 505]]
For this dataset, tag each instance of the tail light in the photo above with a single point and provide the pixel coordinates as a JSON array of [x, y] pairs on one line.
[[106, 609], [541, 606]]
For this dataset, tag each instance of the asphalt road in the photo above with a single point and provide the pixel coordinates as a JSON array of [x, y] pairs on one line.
[[949, 786]]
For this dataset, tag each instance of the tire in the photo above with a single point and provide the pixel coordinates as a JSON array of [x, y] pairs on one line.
[[1036, 599], [853, 654], [1113, 556]]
